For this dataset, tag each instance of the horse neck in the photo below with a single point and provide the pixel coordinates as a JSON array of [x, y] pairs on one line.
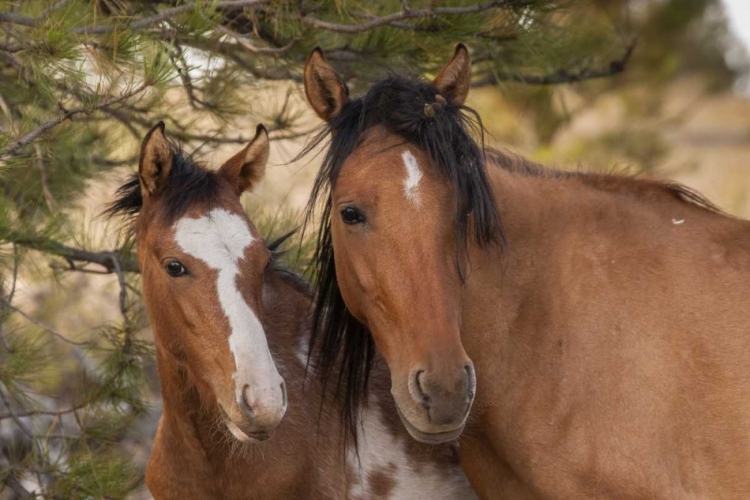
[[185, 403], [554, 218]]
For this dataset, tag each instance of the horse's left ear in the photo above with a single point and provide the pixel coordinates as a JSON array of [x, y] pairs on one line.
[[245, 169], [454, 79]]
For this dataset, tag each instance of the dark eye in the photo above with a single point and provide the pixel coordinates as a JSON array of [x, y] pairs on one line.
[[352, 215], [174, 268]]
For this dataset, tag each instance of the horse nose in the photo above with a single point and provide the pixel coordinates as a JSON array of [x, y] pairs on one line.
[[264, 410], [446, 399]]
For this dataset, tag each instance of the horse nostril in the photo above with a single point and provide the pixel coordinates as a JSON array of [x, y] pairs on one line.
[[245, 405], [283, 394], [424, 398], [471, 380]]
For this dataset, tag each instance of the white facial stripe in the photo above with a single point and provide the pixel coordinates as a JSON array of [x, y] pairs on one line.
[[220, 239], [413, 176]]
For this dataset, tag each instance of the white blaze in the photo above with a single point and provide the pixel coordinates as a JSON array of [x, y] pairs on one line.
[[413, 176], [219, 239]]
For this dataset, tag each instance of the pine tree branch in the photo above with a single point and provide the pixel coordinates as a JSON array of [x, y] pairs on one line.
[[25, 430], [15, 485], [59, 5], [562, 76], [10, 17], [50, 413], [168, 13], [252, 48], [405, 13], [72, 255], [19, 143], [141, 23], [19, 423], [123, 289], [10, 295], [41, 325]]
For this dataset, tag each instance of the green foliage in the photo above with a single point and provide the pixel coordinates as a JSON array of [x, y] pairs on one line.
[[95, 475]]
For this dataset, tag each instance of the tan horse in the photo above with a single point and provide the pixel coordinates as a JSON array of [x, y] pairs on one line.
[[219, 305], [607, 318]]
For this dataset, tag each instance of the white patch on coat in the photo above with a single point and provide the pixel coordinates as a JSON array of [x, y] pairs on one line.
[[303, 349], [220, 239], [678, 222], [379, 451], [413, 176]]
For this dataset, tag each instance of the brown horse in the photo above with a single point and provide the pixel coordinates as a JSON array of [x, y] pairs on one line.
[[219, 305], [606, 317]]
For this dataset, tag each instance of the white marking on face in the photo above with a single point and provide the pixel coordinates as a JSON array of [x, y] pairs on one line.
[[413, 176], [382, 452], [220, 239]]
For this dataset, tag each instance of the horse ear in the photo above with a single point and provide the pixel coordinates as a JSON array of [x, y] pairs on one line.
[[454, 79], [155, 162], [324, 88], [245, 169]]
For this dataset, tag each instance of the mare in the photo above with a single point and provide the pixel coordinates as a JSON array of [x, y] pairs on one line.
[[219, 304], [587, 335]]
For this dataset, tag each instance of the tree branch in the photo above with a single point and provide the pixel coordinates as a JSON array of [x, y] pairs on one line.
[[400, 16], [71, 254], [10, 17], [19, 143], [15, 485], [41, 325], [562, 76], [252, 48], [168, 13]]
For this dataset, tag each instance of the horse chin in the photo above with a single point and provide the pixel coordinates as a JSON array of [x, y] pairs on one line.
[[247, 437], [430, 437]]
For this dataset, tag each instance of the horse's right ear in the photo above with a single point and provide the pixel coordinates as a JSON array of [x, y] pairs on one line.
[[155, 162], [324, 88]]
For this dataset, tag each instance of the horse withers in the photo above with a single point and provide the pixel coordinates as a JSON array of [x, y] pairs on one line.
[[589, 334], [220, 304]]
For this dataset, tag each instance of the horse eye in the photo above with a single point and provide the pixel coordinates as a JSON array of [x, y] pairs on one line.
[[175, 269], [351, 215]]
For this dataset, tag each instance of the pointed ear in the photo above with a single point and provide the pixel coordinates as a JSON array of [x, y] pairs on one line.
[[325, 89], [155, 161], [454, 79], [245, 169]]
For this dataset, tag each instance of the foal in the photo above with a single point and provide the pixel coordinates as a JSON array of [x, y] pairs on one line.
[[610, 336], [219, 304]]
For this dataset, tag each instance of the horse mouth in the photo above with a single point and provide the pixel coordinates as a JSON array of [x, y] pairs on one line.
[[430, 437], [242, 435]]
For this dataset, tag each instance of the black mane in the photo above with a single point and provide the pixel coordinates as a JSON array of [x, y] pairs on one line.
[[398, 104], [189, 182]]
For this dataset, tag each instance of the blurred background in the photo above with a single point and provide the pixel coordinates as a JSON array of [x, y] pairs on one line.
[[658, 88]]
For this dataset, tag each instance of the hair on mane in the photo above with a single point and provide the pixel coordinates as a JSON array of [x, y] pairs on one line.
[[188, 182], [398, 104]]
